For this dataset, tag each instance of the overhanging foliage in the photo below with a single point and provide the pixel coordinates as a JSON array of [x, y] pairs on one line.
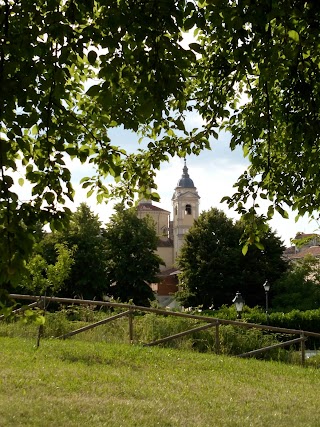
[[253, 70]]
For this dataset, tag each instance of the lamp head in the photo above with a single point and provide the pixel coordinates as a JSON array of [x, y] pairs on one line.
[[238, 302], [266, 286]]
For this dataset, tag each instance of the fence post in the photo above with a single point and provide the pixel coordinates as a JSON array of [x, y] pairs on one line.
[[217, 338], [130, 317], [42, 305], [40, 334], [303, 349]]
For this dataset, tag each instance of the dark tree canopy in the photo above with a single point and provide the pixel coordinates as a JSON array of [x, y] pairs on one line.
[[299, 289], [71, 70], [85, 236], [88, 275], [117, 261], [214, 268], [132, 264]]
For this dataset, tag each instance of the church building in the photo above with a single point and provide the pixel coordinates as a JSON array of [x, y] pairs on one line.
[[185, 202]]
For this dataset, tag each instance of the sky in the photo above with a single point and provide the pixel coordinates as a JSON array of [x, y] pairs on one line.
[[213, 172]]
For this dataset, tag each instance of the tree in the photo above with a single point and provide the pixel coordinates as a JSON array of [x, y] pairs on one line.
[[50, 109], [87, 278], [82, 68], [299, 288], [258, 73], [214, 268], [48, 279], [132, 264]]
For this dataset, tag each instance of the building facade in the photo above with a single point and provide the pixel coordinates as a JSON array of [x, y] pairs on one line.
[[171, 233], [185, 202]]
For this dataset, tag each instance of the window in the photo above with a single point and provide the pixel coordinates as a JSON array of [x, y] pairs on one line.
[[188, 210], [164, 231]]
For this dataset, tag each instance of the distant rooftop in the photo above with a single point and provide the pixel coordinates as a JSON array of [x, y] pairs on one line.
[[312, 250], [147, 206]]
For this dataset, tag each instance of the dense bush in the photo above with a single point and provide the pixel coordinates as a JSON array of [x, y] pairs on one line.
[[302, 320], [299, 287], [308, 320], [147, 328]]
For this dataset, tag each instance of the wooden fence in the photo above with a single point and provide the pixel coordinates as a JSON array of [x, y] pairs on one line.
[[210, 322]]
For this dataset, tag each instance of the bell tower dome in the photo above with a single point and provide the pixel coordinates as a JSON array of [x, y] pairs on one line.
[[185, 202]]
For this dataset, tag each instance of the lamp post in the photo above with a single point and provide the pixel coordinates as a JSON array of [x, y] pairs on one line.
[[266, 286], [239, 303]]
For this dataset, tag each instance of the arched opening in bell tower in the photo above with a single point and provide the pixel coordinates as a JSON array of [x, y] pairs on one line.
[[188, 210]]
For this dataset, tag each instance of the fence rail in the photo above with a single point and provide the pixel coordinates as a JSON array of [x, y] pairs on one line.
[[300, 340], [210, 322]]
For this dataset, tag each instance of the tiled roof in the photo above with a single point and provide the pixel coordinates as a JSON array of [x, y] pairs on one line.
[[168, 272], [165, 242], [289, 251], [313, 250], [150, 207]]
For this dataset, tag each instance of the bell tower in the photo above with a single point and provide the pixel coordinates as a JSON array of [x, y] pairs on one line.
[[185, 202]]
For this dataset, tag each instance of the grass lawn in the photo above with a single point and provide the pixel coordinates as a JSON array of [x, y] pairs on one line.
[[73, 383]]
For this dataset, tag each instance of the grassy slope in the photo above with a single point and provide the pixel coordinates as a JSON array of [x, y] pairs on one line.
[[74, 383]]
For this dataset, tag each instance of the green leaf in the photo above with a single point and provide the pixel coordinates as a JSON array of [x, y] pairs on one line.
[[93, 90], [86, 178], [282, 212], [34, 130], [244, 249], [155, 196], [21, 181], [49, 197], [92, 56], [259, 245], [246, 150], [294, 35], [40, 320], [270, 212], [225, 199], [196, 47]]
